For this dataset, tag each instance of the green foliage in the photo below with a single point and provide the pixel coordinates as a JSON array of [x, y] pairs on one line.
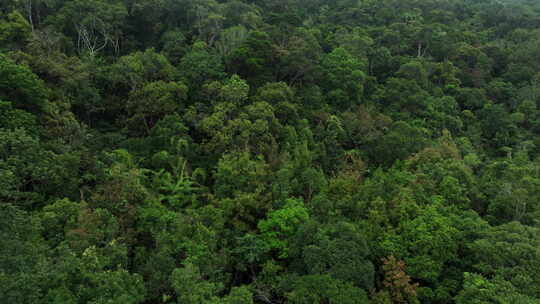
[[253, 56], [281, 225], [401, 141], [96, 275], [430, 245], [173, 45], [280, 151], [11, 118], [136, 70], [323, 289], [15, 31], [29, 172], [190, 287], [199, 66], [343, 78], [19, 85], [22, 257], [153, 101], [339, 250], [477, 289], [510, 252], [239, 295], [95, 25]]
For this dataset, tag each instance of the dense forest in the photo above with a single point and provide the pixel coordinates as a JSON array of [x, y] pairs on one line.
[[277, 151]]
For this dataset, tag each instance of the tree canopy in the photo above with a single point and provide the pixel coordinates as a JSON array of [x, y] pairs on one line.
[[265, 152]]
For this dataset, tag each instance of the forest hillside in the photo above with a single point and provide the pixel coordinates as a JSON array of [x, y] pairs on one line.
[[269, 152]]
